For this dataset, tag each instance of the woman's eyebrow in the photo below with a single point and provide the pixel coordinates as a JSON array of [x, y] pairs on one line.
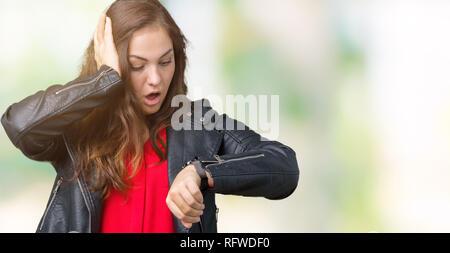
[[145, 59]]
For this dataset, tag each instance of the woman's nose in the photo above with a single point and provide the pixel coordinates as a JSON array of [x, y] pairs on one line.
[[153, 76]]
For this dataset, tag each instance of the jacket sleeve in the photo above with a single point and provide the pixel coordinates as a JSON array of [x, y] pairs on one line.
[[35, 125], [253, 166]]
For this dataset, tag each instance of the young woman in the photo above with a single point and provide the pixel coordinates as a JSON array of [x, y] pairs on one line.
[[121, 164]]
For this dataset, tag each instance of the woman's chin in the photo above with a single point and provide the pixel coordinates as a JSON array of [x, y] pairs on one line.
[[149, 110]]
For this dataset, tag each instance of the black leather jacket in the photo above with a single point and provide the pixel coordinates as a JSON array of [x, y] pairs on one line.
[[243, 164]]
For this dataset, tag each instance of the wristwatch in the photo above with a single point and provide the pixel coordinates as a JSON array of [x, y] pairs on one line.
[[201, 172]]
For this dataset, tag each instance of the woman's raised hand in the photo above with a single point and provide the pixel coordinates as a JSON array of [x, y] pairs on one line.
[[104, 47]]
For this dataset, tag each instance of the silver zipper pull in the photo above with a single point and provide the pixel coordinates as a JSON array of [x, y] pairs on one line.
[[217, 214], [219, 159], [58, 184]]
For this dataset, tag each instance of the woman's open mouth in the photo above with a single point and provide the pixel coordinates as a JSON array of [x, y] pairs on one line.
[[152, 99]]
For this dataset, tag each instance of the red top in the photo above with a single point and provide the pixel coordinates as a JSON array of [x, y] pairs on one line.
[[146, 210]]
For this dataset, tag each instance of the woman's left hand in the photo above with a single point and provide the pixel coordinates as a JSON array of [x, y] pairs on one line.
[[185, 200]]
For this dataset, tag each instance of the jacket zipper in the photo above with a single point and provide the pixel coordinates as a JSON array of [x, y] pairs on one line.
[[79, 184], [217, 214], [222, 161], [201, 224], [104, 72], [86, 203], [51, 201]]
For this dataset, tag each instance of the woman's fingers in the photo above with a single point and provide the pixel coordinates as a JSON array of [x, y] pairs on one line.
[[100, 34], [186, 224], [180, 215], [104, 47], [174, 209], [98, 40], [108, 30], [195, 192], [190, 201], [184, 206], [185, 199]]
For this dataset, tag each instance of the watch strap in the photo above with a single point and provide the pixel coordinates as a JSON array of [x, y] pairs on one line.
[[201, 172]]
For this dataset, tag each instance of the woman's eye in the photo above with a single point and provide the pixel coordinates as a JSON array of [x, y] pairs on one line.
[[137, 68], [166, 63]]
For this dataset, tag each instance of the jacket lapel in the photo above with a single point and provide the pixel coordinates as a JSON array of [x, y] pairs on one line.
[[175, 150], [182, 146]]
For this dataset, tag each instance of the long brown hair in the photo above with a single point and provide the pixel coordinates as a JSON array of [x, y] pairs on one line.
[[113, 133]]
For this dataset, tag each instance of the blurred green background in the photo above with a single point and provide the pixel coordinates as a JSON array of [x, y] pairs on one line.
[[364, 102]]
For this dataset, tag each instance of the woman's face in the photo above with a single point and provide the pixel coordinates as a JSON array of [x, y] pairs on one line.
[[152, 65]]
